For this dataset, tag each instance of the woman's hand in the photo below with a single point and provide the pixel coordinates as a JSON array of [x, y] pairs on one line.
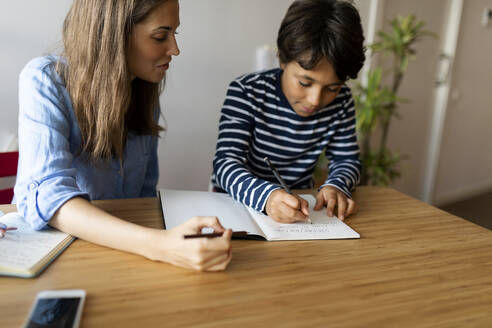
[[286, 208], [332, 197], [80, 218], [202, 254]]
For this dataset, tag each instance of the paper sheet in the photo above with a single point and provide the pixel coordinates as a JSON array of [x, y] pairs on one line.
[[24, 247], [322, 227], [178, 206]]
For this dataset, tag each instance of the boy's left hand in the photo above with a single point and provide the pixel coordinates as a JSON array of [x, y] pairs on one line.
[[331, 197]]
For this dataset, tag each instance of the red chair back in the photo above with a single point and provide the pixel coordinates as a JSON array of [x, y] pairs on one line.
[[8, 168]]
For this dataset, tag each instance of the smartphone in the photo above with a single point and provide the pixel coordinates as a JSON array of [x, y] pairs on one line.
[[57, 309]]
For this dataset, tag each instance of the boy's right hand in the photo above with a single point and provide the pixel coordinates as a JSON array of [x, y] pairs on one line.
[[286, 208]]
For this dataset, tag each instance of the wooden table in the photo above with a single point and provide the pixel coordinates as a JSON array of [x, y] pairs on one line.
[[414, 266]]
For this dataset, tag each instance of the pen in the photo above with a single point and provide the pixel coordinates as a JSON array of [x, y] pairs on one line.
[[4, 229], [216, 234], [279, 178], [277, 175]]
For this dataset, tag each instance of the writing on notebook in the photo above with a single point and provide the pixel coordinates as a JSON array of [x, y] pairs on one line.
[[176, 205], [302, 228], [26, 252], [26, 245]]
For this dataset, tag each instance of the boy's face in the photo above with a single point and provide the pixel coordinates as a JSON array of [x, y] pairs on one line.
[[308, 91]]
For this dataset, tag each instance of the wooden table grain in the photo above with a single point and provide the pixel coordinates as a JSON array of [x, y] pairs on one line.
[[414, 266]]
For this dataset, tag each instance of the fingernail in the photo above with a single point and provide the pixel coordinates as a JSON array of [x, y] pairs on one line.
[[342, 218]]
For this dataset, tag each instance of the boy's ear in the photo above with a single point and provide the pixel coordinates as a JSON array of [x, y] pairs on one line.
[[282, 66]]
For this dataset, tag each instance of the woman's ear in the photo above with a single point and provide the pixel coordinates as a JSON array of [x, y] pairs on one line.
[[282, 66]]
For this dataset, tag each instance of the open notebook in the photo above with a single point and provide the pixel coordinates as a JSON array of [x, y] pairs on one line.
[[179, 206], [25, 252]]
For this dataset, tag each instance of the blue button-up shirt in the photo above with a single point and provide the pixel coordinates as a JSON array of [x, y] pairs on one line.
[[51, 167]]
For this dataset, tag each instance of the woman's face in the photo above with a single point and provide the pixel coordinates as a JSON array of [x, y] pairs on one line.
[[153, 42], [308, 91]]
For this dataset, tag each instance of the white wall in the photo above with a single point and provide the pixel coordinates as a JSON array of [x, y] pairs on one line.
[[218, 39], [465, 162], [410, 134], [28, 28]]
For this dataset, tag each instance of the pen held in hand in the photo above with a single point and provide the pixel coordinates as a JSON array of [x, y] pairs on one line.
[[277, 175], [4, 229], [280, 180], [216, 234]]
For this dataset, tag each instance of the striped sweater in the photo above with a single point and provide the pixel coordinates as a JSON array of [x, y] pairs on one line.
[[257, 121]]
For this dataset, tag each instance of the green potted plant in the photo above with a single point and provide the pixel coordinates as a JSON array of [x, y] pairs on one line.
[[376, 103]]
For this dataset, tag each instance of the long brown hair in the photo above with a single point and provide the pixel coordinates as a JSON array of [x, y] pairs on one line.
[[106, 102]]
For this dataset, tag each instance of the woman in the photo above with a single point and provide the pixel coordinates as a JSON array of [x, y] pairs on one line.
[[88, 129]]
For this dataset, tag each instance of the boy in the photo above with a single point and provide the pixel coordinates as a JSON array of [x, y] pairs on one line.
[[293, 113]]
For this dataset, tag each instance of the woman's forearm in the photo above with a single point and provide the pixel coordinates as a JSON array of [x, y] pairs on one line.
[[80, 218]]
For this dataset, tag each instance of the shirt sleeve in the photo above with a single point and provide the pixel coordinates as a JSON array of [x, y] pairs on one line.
[[236, 126], [45, 177], [343, 152]]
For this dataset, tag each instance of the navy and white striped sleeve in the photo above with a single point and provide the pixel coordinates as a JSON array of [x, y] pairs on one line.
[[343, 152], [236, 126]]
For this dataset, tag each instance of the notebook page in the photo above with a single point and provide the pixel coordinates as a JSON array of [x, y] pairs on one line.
[[322, 227], [21, 249], [180, 205]]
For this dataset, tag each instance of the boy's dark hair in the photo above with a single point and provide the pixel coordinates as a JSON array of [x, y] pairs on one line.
[[313, 29]]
